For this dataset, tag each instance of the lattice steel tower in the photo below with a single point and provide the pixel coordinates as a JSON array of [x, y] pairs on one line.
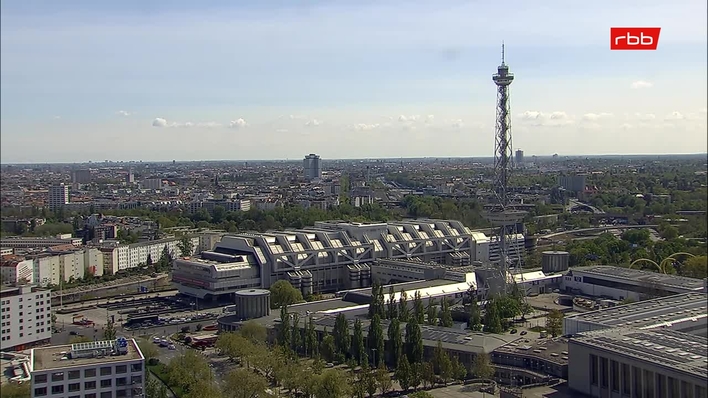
[[501, 213]]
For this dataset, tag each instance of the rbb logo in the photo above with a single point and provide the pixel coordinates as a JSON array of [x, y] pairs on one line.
[[634, 38]]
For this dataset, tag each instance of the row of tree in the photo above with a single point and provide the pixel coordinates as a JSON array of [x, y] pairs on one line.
[[400, 309]]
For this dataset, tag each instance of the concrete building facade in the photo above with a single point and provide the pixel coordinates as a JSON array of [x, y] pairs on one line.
[[97, 369], [25, 317]]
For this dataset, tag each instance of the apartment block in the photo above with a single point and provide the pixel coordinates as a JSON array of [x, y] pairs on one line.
[[97, 369], [25, 317]]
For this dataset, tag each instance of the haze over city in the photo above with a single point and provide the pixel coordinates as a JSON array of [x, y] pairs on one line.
[[267, 80]]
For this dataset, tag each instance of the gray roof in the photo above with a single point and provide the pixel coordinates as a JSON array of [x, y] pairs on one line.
[[663, 347], [650, 313], [641, 276]]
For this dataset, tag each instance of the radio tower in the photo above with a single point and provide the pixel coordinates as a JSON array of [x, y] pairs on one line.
[[501, 214]]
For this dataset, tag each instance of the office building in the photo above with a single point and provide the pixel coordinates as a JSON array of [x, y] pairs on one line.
[[58, 196], [328, 257], [25, 317], [628, 362], [16, 269], [685, 313], [152, 183], [312, 167], [81, 176], [121, 257], [21, 242], [625, 283], [572, 183], [519, 158], [97, 369], [130, 177]]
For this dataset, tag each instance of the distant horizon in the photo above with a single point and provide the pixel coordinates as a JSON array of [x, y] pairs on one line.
[[526, 155]]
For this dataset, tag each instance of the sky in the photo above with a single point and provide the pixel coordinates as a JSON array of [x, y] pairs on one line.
[[150, 80]]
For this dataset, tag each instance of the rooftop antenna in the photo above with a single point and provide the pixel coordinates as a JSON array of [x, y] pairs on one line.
[[502, 52]]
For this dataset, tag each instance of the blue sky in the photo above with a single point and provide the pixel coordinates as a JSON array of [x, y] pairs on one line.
[[162, 80]]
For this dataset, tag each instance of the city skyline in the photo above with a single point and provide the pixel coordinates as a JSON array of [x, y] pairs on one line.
[[263, 81]]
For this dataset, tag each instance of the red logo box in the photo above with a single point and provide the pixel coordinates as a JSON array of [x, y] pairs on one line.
[[634, 38]]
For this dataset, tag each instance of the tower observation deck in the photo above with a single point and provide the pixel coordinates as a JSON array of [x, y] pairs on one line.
[[501, 213]]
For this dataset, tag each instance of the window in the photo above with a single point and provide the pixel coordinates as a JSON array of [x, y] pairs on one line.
[[593, 370], [121, 381], [648, 384], [91, 395], [74, 374], [106, 383], [40, 379], [90, 373], [106, 371], [604, 368], [625, 379], [614, 376], [136, 379], [89, 385], [136, 367], [58, 376], [73, 387], [107, 394], [120, 369], [41, 391], [58, 389]]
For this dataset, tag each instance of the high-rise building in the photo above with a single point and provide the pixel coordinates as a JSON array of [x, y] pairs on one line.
[[58, 196], [312, 166], [81, 176], [519, 157], [130, 177], [151, 183], [112, 368], [26, 317], [574, 183]]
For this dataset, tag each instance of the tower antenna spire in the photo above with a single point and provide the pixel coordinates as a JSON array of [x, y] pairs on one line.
[[502, 52]]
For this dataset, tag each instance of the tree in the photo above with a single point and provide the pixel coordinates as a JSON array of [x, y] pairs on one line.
[[445, 313], [395, 341], [283, 293], [459, 369], [695, 267], [442, 365], [328, 347], [475, 321], [254, 331], [191, 373], [377, 300], [492, 320], [376, 340], [242, 383], [79, 339], [392, 310], [418, 308], [383, 379], [185, 246], [421, 394], [311, 338], [154, 388], [332, 383], [297, 333], [150, 352], [148, 261], [403, 310], [431, 313], [554, 323], [414, 342], [342, 340], [358, 345], [369, 380], [15, 390], [427, 374], [109, 332], [285, 335], [482, 366], [403, 373]]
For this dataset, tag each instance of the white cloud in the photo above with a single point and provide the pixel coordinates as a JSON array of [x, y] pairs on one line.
[[57, 117], [704, 110], [159, 122], [123, 113], [641, 84], [627, 126], [282, 130], [238, 123], [537, 118], [429, 119], [459, 123], [596, 116], [313, 122], [365, 127], [675, 115], [411, 118]]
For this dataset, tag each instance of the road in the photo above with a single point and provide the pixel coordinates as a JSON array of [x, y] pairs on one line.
[[594, 229]]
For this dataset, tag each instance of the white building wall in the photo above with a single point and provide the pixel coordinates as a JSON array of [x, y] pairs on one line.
[[23, 270], [25, 318], [93, 261]]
